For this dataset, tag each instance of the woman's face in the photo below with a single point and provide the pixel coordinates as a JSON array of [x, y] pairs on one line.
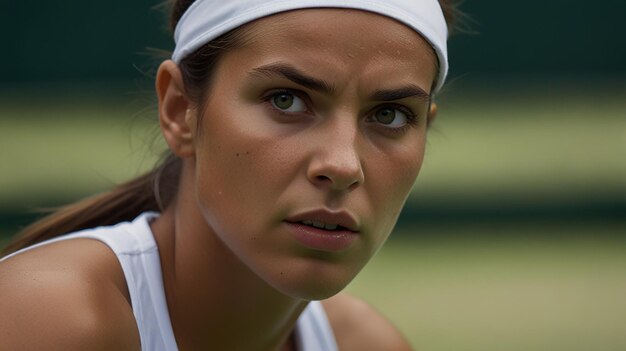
[[319, 119]]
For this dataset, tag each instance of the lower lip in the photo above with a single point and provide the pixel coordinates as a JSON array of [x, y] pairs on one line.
[[320, 239]]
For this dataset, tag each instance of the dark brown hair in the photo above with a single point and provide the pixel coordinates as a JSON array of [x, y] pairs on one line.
[[155, 190]]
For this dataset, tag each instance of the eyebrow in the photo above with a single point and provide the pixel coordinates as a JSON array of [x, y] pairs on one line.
[[401, 93], [293, 74]]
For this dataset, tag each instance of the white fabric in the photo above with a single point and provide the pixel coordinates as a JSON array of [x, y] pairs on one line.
[[313, 332], [135, 248], [206, 20]]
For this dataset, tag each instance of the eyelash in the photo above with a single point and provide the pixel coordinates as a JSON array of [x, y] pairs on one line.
[[412, 118]]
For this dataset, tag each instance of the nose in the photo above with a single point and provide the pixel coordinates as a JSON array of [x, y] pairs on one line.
[[336, 163]]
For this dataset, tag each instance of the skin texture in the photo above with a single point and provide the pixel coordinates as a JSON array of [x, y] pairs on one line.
[[231, 264]]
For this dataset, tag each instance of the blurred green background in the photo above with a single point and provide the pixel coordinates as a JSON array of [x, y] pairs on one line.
[[515, 235]]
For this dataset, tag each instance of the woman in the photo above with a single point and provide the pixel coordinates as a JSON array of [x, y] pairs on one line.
[[295, 140]]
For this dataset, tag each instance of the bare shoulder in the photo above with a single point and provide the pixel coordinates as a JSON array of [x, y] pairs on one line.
[[65, 296], [358, 326]]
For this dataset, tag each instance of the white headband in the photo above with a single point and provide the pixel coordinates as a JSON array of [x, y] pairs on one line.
[[206, 20]]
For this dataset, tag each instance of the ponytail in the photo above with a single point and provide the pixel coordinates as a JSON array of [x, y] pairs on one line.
[[153, 191]]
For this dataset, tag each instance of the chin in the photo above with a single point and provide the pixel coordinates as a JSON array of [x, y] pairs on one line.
[[313, 283], [314, 293]]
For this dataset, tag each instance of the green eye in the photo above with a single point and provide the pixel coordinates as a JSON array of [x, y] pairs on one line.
[[283, 101], [288, 102], [385, 115], [392, 116]]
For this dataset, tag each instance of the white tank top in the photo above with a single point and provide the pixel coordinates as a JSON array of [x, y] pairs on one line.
[[136, 249]]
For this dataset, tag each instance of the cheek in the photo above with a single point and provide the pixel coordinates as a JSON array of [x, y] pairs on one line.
[[240, 172], [391, 181]]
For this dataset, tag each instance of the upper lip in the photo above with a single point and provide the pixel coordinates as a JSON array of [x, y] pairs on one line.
[[340, 218]]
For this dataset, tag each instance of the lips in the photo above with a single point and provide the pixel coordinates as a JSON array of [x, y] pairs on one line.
[[327, 220], [324, 230]]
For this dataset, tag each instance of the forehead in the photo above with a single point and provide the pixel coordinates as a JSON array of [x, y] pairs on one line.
[[342, 42]]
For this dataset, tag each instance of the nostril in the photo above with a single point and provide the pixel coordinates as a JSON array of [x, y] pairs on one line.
[[323, 178]]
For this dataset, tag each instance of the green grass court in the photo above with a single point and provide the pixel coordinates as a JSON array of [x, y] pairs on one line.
[[541, 288]]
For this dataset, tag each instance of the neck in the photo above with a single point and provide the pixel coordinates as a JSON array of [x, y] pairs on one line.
[[215, 301]]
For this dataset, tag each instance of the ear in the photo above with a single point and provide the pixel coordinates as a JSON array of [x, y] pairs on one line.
[[432, 114], [177, 115]]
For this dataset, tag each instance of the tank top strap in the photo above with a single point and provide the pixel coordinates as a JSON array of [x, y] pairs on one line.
[[138, 255], [313, 331]]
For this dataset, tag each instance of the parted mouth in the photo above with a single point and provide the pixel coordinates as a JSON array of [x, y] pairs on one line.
[[327, 220], [322, 225]]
